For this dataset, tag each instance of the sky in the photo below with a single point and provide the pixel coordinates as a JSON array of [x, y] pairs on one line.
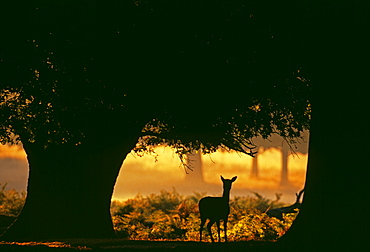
[[145, 175]]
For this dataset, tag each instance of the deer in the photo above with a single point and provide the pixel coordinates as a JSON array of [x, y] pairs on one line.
[[278, 212], [216, 209]]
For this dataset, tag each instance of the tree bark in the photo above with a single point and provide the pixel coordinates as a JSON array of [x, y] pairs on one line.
[[69, 192], [334, 215]]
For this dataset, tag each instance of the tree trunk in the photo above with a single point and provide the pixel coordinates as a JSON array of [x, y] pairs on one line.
[[195, 175], [334, 214], [69, 192], [284, 179], [255, 170]]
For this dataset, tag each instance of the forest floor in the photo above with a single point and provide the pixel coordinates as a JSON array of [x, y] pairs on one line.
[[113, 245]]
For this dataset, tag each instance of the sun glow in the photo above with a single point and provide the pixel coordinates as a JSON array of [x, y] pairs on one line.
[[144, 175], [149, 174], [269, 167], [12, 151]]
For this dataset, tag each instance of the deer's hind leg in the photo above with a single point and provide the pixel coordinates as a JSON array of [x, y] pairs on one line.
[[225, 227], [218, 230], [202, 222], [209, 226]]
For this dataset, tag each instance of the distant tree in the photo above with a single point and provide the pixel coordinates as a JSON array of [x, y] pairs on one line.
[[195, 165], [83, 83]]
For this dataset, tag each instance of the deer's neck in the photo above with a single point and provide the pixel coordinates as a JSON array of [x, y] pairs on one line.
[[226, 195]]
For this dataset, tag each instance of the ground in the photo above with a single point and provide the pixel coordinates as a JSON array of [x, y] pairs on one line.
[[128, 245]]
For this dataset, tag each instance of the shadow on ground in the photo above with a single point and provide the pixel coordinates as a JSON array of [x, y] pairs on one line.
[[127, 245]]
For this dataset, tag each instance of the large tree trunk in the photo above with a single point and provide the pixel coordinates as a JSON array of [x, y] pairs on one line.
[[69, 191], [334, 214]]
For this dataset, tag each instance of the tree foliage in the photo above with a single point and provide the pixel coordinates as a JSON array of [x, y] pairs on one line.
[[190, 74]]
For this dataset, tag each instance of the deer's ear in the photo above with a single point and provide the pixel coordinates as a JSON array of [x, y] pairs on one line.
[[234, 178], [222, 178]]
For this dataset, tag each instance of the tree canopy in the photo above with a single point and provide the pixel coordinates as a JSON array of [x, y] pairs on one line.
[[189, 74]]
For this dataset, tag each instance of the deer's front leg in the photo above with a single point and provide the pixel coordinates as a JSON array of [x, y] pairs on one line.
[[203, 221], [225, 231]]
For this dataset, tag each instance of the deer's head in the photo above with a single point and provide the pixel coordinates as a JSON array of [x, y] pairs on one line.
[[227, 182], [298, 203]]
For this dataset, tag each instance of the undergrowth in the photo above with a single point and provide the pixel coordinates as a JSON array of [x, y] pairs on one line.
[[171, 216]]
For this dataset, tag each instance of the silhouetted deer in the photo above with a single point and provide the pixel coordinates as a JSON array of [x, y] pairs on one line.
[[216, 209], [278, 212]]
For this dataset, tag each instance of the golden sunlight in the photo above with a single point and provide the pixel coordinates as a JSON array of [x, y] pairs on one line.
[[12, 151], [262, 174], [269, 169], [144, 175]]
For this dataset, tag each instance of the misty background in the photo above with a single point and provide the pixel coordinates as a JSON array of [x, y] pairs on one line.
[[276, 169]]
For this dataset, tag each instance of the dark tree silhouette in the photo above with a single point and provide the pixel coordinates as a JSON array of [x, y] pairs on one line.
[[332, 217], [83, 83]]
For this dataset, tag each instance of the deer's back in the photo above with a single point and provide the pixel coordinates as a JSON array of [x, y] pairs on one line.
[[214, 208]]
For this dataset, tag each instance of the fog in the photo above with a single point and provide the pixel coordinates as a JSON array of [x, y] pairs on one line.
[[13, 167], [145, 175]]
